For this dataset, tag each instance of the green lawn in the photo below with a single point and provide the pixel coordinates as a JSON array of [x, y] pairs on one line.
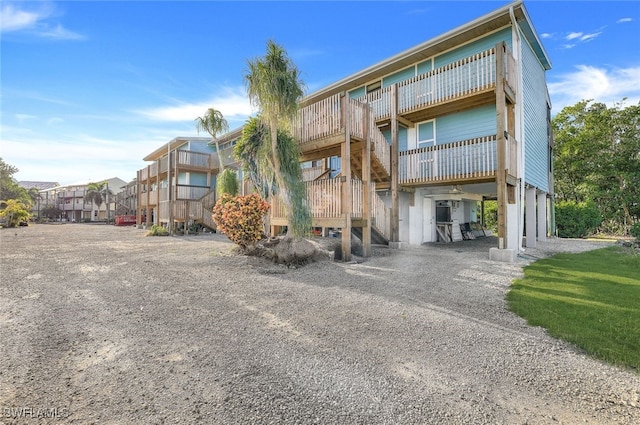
[[591, 299]]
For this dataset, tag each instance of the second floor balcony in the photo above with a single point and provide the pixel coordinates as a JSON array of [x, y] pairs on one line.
[[465, 78], [468, 160], [181, 160]]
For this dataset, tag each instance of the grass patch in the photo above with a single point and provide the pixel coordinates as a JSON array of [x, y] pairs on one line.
[[591, 299]]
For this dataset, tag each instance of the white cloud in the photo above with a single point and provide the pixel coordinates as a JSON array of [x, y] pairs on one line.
[[36, 22], [21, 118], [233, 103], [623, 20], [605, 85], [573, 35], [60, 33], [12, 19], [589, 37]]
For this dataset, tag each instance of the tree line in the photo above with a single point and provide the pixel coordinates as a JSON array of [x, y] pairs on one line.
[[597, 168]]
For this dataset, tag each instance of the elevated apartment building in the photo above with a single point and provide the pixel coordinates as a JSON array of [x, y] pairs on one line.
[[177, 188], [70, 199], [407, 149]]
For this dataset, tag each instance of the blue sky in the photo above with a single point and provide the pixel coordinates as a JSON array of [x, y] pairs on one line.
[[89, 88]]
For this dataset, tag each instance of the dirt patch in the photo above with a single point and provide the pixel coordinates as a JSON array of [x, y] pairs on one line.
[[100, 324]]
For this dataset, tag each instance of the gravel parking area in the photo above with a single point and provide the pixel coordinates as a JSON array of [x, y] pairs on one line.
[[100, 324]]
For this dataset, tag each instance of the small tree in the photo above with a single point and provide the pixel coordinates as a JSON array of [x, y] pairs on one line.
[[227, 183], [98, 193], [52, 212], [213, 122], [274, 86], [14, 212]]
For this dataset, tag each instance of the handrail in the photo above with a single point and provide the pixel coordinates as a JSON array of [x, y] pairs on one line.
[[473, 158]]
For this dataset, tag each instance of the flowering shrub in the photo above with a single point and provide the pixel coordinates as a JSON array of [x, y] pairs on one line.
[[240, 217]]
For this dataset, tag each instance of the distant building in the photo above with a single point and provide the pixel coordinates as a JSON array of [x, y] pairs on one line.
[[40, 186], [26, 184], [177, 188], [70, 200]]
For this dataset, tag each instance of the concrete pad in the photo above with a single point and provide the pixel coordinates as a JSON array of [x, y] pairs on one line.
[[504, 255]]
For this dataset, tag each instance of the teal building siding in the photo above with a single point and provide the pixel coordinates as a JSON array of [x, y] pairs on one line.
[[399, 76], [356, 93], [198, 179], [474, 47], [534, 95], [466, 125], [403, 138]]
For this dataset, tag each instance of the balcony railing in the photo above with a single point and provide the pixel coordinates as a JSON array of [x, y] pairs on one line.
[[455, 80], [475, 158], [312, 173], [326, 118], [324, 199], [191, 159], [464, 160], [189, 192]]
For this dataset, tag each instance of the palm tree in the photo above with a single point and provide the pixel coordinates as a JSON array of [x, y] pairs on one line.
[[98, 193], [34, 198], [213, 122], [274, 87]]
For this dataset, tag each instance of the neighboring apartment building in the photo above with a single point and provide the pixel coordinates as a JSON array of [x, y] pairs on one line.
[[178, 187], [127, 199], [39, 186], [70, 199], [406, 150]]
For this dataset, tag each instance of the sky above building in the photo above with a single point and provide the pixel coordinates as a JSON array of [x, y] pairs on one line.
[[88, 88]]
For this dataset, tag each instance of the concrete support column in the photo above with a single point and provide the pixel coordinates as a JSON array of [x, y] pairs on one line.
[[542, 216], [530, 216]]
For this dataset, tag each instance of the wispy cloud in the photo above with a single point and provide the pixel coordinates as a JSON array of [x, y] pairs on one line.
[[13, 19], [606, 85], [232, 102], [34, 21], [623, 20], [574, 38]]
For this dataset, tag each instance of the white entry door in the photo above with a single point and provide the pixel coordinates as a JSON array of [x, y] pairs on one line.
[[428, 220]]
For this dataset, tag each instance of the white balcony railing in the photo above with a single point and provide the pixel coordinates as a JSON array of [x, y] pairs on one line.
[[475, 158], [457, 79]]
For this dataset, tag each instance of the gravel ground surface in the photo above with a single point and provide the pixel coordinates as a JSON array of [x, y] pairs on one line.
[[100, 324]]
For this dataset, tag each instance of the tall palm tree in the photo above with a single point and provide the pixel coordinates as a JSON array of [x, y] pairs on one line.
[[214, 123], [98, 193], [274, 87]]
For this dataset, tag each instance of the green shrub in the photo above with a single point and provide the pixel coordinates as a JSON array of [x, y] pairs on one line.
[[576, 219], [14, 212], [240, 218], [157, 230], [491, 215], [635, 230], [227, 182]]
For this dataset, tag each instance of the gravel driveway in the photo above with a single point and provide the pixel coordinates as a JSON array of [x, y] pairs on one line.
[[100, 324]]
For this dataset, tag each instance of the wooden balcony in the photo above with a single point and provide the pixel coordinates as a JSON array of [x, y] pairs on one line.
[[312, 173], [189, 192], [472, 79], [182, 160], [326, 206], [473, 160], [320, 129]]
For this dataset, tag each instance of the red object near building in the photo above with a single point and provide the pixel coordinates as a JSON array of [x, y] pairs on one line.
[[125, 220]]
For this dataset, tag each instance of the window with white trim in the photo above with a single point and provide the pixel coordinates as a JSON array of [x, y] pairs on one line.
[[426, 134]]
